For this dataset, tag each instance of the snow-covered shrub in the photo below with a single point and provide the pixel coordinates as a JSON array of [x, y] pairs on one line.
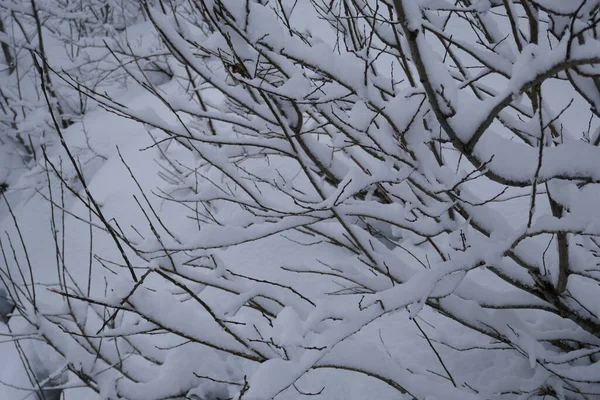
[[424, 173], [44, 41]]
